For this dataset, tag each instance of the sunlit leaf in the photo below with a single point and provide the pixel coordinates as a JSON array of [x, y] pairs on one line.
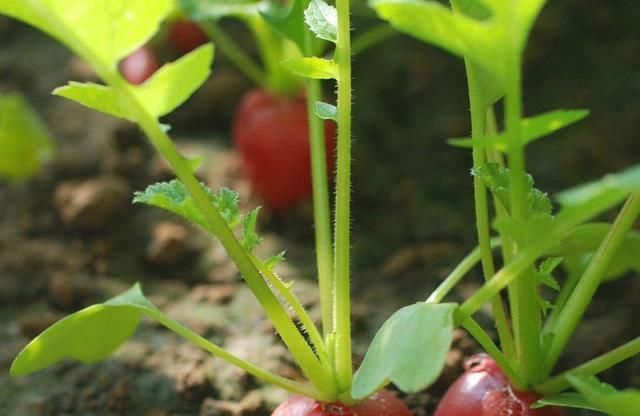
[[532, 129], [409, 350], [206, 9], [322, 19], [109, 29], [312, 67], [25, 142], [169, 87]]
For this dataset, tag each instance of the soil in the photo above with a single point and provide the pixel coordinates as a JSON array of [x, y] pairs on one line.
[[70, 238]]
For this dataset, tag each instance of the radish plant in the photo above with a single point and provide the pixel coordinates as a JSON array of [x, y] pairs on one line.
[[491, 35], [103, 32]]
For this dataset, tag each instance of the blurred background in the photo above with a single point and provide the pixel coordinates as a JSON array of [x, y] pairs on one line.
[[70, 237]]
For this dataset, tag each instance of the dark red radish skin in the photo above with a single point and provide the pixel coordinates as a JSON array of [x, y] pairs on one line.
[[139, 66], [185, 35], [271, 135], [484, 390], [383, 403]]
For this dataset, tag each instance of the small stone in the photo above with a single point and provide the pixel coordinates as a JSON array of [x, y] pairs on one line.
[[90, 204], [169, 242]]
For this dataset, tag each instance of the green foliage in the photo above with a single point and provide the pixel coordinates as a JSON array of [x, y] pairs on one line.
[[164, 91], [288, 20], [206, 9], [611, 187], [312, 67], [326, 111], [545, 277], [109, 35], [574, 400], [579, 246], [409, 349], [322, 19], [532, 129], [25, 143]]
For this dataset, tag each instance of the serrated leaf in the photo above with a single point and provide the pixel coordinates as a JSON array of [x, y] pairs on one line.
[[173, 196], [312, 67], [288, 20], [545, 272], [605, 398], [579, 246], [250, 238], [25, 142], [609, 189], [272, 261], [109, 29], [199, 10], [532, 129], [169, 87], [409, 350], [326, 111], [322, 19]]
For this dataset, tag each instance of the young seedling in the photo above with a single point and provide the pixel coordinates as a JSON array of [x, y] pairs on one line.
[[490, 35], [271, 129], [25, 142], [323, 355]]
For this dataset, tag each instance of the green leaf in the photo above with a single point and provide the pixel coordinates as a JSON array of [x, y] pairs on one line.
[[173, 196], [250, 238], [545, 272], [532, 129], [109, 29], [272, 261], [169, 87], [409, 350], [574, 400], [322, 19], [89, 335], [25, 143], [326, 111], [481, 42], [581, 243], [606, 398], [288, 20], [612, 187], [312, 67], [207, 9]]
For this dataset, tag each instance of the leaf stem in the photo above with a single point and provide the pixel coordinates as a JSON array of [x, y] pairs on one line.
[[371, 38], [342, 247], [585, 289], [559, 383], [321, 210], [234, 53]]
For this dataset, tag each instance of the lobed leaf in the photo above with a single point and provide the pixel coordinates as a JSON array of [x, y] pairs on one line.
[[169, 87], [312, 67], [25, 142], [326, 111], [532, 129], [322, 19], [409, 349], [250, 238], [109, 29]]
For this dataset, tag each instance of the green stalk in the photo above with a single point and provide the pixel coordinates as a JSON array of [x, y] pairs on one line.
[[585, 289], [478, 129], [455, 276], [321, 210], [525, 314], [342, 247], [490, 347], [236, 55], [559, 383]]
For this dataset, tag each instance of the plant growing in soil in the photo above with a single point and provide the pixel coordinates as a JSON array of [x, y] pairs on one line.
[[324, 355], [270, 128], [491, 35]]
